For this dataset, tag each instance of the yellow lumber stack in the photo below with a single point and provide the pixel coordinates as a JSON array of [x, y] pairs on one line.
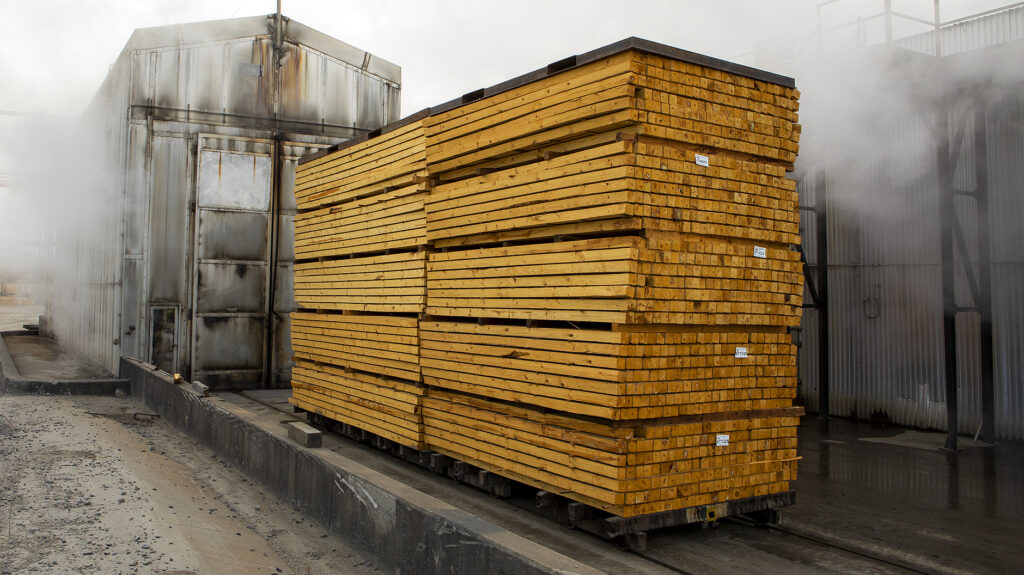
[[627, 471], [613, 242], [609, 285], [359, 239]]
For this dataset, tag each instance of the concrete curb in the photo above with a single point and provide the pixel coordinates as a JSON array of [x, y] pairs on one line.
[[402, 529], [12, 381]]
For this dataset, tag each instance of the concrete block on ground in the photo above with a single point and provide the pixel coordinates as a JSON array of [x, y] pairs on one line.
[[305, 435]]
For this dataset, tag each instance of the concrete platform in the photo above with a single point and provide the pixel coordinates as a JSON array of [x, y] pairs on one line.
[[30, 363]]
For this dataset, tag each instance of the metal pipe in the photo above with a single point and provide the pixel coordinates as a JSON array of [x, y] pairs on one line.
[[947, 212], [821, 261], [277, 26], [984, 299], [275, 209], [888, 21], [277, 55]]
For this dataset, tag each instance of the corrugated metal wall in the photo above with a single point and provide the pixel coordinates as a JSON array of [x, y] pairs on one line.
[[85, 299], [971, 34], [885, 291]]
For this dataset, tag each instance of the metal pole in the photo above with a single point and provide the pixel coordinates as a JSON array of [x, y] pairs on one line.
[[278, 49], [275, 206], [888, 21], [270, 326], [946, 214], [984, 303], [821, 259], [277, 26]]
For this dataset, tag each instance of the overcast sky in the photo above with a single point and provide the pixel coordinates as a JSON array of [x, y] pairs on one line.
[[55, 53]]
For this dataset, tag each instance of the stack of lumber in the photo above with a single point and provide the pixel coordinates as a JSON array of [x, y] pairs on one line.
[[612, 243], [360, 282], [608, 287]]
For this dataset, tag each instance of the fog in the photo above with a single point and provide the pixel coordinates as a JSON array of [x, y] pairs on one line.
[[55, 54]]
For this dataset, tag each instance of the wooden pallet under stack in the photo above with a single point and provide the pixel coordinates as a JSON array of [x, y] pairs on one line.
[[612, 283], [360, 284]]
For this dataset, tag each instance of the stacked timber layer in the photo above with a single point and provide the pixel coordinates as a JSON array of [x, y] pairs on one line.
[[609, 279], [627, 373], [663, 279], [360, 283], [649, 467]]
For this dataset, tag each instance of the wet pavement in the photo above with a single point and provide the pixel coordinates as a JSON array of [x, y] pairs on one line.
[[893, 491], [43, 359]]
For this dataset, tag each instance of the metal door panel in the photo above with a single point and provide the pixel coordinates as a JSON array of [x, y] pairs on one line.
[[231, 268], [234, 180], [228, 344], [232, 235], [224, 287], [164, 344], [286, 238]]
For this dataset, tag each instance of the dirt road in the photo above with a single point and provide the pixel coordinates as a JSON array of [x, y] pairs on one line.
[[94, 485]]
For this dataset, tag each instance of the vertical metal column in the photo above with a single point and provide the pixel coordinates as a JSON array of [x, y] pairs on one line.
[[888, 21], [984, 303], [821, 260], [944, 173], [275, 206]]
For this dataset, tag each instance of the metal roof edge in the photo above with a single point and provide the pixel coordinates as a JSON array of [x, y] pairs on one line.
[[238, 28], [631, 43], [563, 65]]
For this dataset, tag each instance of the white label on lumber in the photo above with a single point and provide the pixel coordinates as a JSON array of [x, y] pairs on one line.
[[741, 352], [722, 440], [760, 252], [702, 160]]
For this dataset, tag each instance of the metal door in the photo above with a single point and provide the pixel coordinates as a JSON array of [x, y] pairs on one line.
[[163, 349], [231, 261]]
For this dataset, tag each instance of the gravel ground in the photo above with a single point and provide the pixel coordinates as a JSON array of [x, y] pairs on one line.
[[94, 485]]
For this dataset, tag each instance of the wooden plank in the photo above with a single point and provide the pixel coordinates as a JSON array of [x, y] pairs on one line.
[[382, 345], [606, 68], [603, 118], [580, 227], [393, 283]]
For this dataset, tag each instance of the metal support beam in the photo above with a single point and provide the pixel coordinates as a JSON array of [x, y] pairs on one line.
[[984, 299], [821, 262], [947, 213], [965, 258]]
